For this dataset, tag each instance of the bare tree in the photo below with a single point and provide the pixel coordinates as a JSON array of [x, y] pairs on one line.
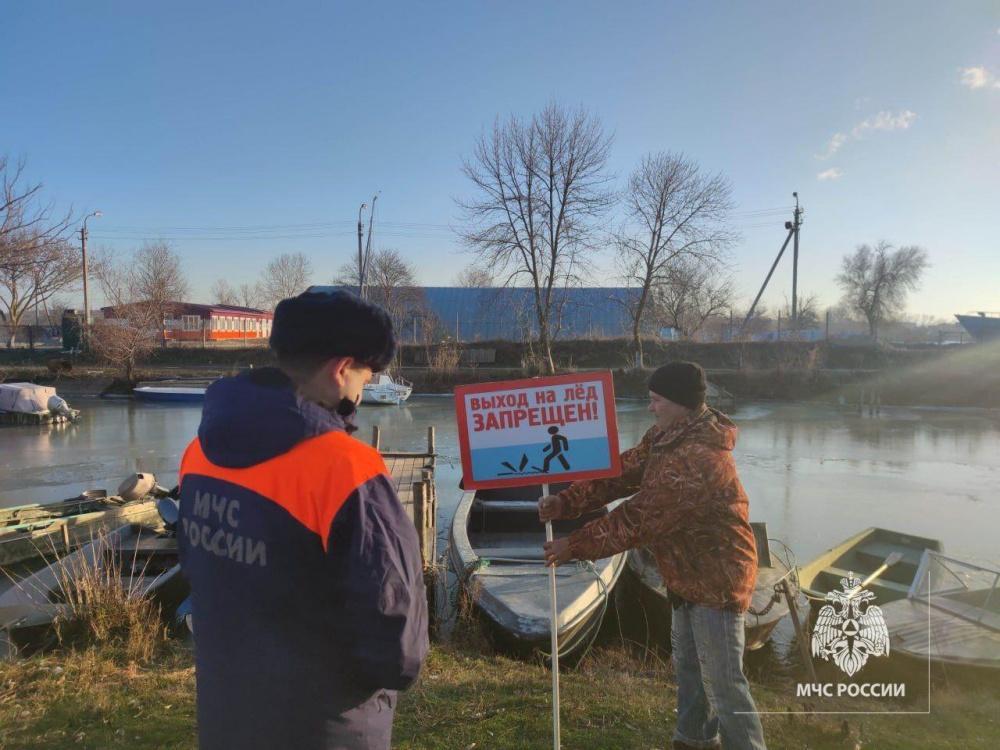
[[36, 260], [875, 281], [249, 295], [761, 322], [244, 295], [133, 325], [223, 293], [807, 313], [676, 212], [286, 276], [540, 185], [34, 266], [158, 276], [390, 281], [474, 277], [692, 292], [159, 280], [22, 214]]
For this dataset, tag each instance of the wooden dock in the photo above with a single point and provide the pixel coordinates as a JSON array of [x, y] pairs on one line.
[[413, 476]]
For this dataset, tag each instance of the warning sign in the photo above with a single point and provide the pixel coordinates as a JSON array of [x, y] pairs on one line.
[[539, 430]]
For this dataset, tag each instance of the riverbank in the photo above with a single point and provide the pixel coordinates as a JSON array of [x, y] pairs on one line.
[[959, 376], [464, 699]]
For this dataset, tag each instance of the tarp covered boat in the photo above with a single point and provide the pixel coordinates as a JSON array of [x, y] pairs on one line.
[[496, 549], [28, 403]]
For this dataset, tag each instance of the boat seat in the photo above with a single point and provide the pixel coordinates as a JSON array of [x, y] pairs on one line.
[[519, 505], [903, 588], [518, 553], [876, 552]]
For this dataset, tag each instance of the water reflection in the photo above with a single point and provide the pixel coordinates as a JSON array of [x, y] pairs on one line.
[[815, 473]]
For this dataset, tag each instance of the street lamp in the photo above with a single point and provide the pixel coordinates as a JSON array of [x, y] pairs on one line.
[[83, 249]]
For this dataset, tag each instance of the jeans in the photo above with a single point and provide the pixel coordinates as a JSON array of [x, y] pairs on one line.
[[713, 695]]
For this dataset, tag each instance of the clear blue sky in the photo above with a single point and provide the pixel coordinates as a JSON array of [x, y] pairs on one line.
[[241, 115]]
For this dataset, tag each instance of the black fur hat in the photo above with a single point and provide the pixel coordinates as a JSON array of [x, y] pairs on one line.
[[333, 324], [681, 382]]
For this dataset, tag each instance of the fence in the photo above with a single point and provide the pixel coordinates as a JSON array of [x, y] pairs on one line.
[[31, 337]]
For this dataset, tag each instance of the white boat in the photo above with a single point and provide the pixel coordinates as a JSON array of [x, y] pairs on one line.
[[385, 390], [496, 549]]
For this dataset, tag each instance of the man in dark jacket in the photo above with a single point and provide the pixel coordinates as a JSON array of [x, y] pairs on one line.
[[308, 600], [690, 509]]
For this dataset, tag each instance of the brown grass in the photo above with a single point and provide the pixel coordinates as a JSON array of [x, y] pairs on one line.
[[443, 359], [104, 604]]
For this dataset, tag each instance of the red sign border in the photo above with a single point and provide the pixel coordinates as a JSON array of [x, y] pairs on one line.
[[607, 381]]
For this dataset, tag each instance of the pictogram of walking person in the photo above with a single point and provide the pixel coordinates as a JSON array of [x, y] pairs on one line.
[[557, 445]]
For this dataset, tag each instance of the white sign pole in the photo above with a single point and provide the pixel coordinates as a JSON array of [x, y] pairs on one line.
[[554, 627]]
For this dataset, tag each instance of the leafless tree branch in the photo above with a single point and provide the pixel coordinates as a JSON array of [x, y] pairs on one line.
[[676, 214], [539, 185], [875, 281]]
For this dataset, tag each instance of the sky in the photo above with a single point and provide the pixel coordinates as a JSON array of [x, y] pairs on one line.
[[241, 131]]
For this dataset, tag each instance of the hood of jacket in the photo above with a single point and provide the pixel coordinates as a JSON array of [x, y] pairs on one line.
[[257, 415], [710, 427]]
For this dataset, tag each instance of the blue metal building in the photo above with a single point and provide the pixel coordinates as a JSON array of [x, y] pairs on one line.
[[508, 313]]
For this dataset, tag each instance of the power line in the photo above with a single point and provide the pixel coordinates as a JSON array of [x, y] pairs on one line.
[[266, 231]]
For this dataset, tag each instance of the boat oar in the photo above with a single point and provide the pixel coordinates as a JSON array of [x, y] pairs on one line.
[[554, 627], [891, 560]]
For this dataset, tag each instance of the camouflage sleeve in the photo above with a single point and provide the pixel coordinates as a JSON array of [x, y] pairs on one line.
[[678, 495], [591, 494]]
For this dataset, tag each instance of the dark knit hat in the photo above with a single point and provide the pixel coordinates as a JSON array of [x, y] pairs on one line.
[[317, 325], [681, 382]]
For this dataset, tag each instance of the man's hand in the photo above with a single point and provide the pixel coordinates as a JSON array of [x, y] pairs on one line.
[[548, 508], [557, 552]]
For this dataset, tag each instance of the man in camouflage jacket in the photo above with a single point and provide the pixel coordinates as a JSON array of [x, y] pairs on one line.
[[690, 509]]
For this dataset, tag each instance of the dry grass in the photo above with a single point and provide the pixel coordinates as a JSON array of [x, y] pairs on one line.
[[103, 602], [98, 698], [443, 359], [106, 605]]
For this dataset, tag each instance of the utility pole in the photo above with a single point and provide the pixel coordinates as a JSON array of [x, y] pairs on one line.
[[793, 232], [361, 259], [368, 246], [83, 252], [796, 223]]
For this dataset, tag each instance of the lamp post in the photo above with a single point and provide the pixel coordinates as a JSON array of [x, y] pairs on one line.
[[83, 249]]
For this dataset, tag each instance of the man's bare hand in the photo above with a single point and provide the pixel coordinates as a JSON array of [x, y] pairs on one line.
[[548, 508], [557, 552]]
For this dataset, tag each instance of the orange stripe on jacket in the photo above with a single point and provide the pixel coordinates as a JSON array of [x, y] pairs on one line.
[[311, 481]]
